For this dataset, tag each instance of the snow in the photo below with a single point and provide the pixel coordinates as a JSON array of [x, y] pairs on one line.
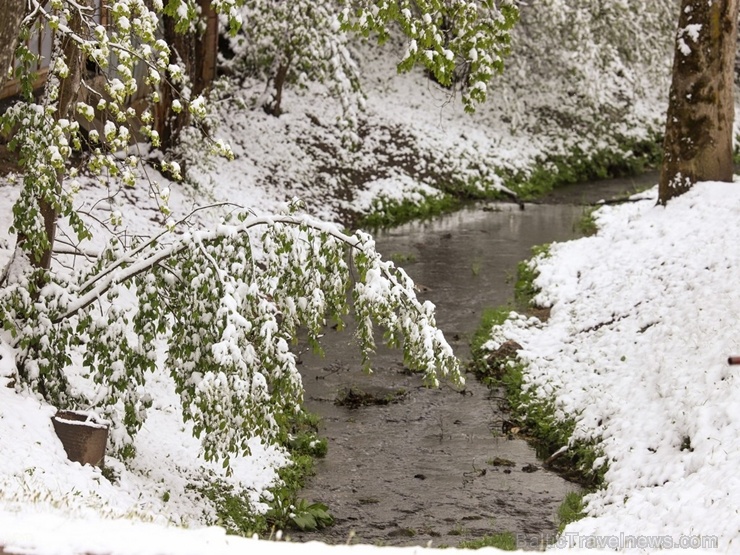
[[643, 319], [644, 316]]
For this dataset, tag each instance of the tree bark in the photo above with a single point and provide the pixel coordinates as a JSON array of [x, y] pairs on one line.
[[12, 13], [69, 89], [273, 105], [197, 51], [68, 93], [701, 108]]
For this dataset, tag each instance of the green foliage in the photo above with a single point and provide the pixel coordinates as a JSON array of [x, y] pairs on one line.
[[506, 541], [233, 510], [526, 274], [537, 420], [399, 258], [586, 225], [309, 444], [311, 516], [630, 158], [490, 317], [228, 322], [390, 212], [303, 438], [296, 43], [286, 509], [464, 41], [534, 415], [571, 509], [46, 132]]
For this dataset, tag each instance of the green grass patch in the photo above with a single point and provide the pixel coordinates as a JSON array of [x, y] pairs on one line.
[[533, 415], [570, 510], [505, 541], [490, 317], [400, 258], [287, 511], [526, 273], [390, 212], [631, 157], [586, 225], [537, 422], [233, 511]]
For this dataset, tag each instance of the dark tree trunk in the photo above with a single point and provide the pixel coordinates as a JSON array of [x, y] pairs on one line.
[[10, 21], [68, 93], [197, 51], [272, 107], [701, 109], [170, 123]]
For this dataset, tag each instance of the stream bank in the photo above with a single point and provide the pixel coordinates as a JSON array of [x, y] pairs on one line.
[[409, 465]]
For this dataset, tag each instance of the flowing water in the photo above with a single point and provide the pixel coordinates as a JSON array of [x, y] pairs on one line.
[[409, 465]]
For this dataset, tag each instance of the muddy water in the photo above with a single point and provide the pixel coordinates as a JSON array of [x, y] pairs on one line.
[[419, 469]]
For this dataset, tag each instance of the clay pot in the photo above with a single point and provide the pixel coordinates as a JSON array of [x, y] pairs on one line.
[[83, 436]]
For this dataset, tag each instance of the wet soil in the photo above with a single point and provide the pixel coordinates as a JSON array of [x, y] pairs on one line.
[[408, 465]]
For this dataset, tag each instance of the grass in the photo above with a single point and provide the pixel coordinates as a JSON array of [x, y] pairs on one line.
[[390, 212], [533, 415], [631, 157], [506, 541], [570, 510], [233, 511], [490, 317], [526, 273], [400, 258], [236, 515], [586, 225], [537, 421]]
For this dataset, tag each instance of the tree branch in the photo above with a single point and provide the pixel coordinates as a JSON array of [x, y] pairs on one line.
[[109, 277]]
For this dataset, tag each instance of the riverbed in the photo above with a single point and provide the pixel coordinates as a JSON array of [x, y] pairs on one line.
[[408, 465]]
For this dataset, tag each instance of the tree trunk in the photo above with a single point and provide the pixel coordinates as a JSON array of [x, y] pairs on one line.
[[197, 51], [272, 107], [69, 89], [169, 122], [68, 93], [10, 22], [701, 108]]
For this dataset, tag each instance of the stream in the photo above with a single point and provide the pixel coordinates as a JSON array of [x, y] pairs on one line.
[[408, 465]]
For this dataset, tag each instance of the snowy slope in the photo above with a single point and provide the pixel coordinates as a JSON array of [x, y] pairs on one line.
[[644, 316]]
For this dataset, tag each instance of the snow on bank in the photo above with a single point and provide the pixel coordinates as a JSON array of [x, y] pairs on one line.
[[644, 316], [53, 533], [162, 484]]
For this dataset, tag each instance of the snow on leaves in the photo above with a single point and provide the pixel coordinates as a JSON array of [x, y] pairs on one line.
[[226, 316], [457, 41], [296, 43]]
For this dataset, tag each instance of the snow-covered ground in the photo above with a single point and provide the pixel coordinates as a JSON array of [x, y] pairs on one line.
[[644, 316], [640, 357]]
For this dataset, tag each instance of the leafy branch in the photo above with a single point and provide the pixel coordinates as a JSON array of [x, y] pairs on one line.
[[226, 316]]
